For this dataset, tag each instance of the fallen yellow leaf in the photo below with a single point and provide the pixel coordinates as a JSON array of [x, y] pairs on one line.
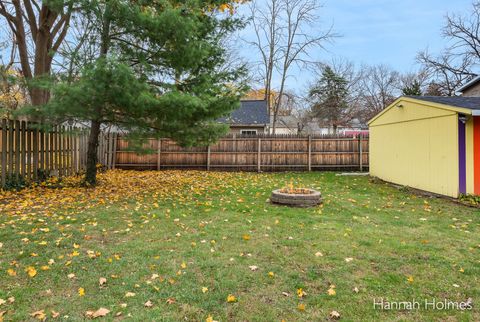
[[31, 271], [300, 292]]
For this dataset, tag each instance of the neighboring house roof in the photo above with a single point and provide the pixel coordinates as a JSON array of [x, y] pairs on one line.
[[470, 84], [472, 103], [250, 112]]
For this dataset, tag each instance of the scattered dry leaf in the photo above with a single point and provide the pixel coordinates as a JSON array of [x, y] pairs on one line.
[[334, 315], [102, 281], [101, 312], [39, 315]]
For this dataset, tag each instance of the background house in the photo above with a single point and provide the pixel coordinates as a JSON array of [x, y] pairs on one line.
[[471, 89], [287, 124], [251, 118]]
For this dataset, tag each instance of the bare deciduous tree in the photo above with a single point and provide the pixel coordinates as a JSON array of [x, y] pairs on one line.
[[380, 88], [285, 34], [39, 28], [268, 30], [454, 67]]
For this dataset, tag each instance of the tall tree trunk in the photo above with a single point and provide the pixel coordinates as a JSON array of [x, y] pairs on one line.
[[91, 173], [42, 68], [278, 103]]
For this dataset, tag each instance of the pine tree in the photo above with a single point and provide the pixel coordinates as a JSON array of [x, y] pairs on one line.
[[156, 73], [413, 89], [329, 98]]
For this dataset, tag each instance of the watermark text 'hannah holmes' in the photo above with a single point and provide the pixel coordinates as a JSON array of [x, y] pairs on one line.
[[424, 304]]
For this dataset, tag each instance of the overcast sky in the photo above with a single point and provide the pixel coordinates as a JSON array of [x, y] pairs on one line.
[[387, 32]]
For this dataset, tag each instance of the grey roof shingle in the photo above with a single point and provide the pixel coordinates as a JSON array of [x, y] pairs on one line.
[[249, 112], [472, 103]]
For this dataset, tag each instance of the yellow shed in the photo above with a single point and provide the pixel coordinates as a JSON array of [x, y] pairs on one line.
[[428, 143]]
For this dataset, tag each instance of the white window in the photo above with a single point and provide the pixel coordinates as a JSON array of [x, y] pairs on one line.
[[248, 132]]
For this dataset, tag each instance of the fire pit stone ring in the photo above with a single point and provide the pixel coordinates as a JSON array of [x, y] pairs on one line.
[[309, 198]]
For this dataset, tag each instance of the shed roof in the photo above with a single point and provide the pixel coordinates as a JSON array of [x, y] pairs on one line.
[[457, 104], [249, 112], [472, 103]]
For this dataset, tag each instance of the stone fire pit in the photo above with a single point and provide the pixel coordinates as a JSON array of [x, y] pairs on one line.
[[299, 197]]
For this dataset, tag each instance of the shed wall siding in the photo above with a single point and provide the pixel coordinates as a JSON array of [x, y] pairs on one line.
[[416, 151]]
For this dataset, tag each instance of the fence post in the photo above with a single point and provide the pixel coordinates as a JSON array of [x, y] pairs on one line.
[[65, 150], [23, 139], [109, 145], [235, 147], [35, 154], [53, 154], [159, 153], [10, 147], [360, 148], [259, 155], [114, 157], [17, 148], [208, 158], [4, 151], [309, 153], [41, 150]]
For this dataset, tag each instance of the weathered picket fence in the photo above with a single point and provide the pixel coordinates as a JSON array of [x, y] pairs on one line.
[[30, 153]]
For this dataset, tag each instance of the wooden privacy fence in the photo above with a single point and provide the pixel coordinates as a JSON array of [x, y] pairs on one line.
[[252, 153], [30, 153]]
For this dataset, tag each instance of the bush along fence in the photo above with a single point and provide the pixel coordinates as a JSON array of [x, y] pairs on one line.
[[252, 153], [28, 154]]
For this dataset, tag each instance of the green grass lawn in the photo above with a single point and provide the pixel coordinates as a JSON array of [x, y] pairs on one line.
[[185, 241]]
